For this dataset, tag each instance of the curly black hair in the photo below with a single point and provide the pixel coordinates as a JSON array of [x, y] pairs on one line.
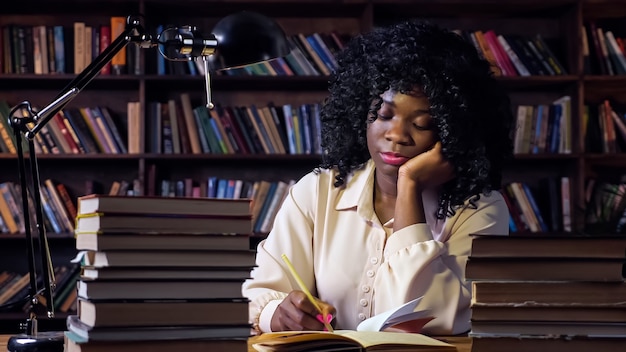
[[471, 112]]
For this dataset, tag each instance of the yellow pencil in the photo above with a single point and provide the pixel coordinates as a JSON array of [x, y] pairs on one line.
[[306, 291]]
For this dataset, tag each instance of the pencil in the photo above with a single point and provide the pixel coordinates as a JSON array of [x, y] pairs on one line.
[[306, 291]]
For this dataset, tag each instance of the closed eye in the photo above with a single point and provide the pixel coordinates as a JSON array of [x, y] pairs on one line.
[[422, 128], [383, 117]]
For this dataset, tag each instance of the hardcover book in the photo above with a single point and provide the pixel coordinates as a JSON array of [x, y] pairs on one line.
[[159, 289], [88, 333], [168, 224], [163, 312], [134, 241], [546, 246], [98, 203]]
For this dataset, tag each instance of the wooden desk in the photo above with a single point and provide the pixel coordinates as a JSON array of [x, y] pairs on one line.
[[3, 342], [462, 343]]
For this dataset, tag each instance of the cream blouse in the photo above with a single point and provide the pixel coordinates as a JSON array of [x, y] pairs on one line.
[[347, 258]]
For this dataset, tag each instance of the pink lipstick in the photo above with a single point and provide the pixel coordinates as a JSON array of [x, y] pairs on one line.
[[393, 158]]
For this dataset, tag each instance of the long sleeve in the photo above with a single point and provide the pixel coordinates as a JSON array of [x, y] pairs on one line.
[[291, 235]]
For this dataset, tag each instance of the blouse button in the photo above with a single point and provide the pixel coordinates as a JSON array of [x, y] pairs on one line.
[[363, 302], [365, 288], [370, 273], [361, 316], [374, 260]]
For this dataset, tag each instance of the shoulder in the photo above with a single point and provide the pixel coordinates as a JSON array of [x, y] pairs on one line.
[[326, 178], [321, 182]]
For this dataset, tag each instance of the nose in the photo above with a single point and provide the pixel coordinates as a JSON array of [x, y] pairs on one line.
[[397, 131]]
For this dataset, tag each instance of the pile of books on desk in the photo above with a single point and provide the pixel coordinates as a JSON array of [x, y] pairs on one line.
[[161, 274], [547, 293]]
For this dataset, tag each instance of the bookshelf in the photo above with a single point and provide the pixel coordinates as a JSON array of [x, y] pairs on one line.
[[558, 21]]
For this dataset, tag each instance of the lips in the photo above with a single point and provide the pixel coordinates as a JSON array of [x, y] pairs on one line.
[[393, 158]]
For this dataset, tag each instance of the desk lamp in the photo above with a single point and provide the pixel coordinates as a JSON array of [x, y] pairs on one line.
[[237, 40]]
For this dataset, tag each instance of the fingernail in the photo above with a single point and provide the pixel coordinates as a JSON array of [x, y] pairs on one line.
[[328, 319]]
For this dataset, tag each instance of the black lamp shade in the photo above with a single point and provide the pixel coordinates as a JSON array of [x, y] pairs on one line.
[[245, 38]]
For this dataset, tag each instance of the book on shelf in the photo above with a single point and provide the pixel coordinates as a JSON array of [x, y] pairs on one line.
[[151, 333], [348, 340], [163, 312], [169, 258], [158, 289], [74, 343]]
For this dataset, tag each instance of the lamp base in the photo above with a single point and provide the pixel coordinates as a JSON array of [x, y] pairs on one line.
[[46, 341]]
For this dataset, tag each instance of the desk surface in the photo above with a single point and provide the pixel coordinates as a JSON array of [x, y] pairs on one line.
[[463, 344]]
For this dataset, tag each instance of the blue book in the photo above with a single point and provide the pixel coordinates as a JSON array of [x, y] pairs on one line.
[[320, 52], [222, 185], [59, 49], [160, 60], [533, 205], [291, 139], [556, 129], [211, 190], [266, 204], [307, 140]]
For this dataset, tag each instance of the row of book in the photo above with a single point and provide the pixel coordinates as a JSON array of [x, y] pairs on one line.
[[515, 55], [45, 49], [544, 128], [42, 49], [310, 54], [546, 208], [59, 208], [604, 128], [176, 127], [71, 131], [161, 273], [603, 51], [547, 293], [14, 289]]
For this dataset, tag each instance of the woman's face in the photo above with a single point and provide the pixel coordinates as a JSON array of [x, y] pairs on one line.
[[401, 130]]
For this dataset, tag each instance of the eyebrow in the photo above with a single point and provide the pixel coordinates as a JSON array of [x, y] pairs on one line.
[[416, 112]]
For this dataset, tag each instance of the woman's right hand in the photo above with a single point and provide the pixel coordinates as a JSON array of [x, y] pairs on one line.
[[428, 169], [297, 313]]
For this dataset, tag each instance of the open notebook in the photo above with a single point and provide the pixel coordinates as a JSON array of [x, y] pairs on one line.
[[394, 330]]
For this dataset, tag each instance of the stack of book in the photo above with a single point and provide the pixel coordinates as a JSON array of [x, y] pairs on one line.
[[161, 274], [547, 293]]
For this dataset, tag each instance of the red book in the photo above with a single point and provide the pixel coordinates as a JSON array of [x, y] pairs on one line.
[[105, 41]]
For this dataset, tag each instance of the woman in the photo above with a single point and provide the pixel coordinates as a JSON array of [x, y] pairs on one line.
[[415, 133]]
